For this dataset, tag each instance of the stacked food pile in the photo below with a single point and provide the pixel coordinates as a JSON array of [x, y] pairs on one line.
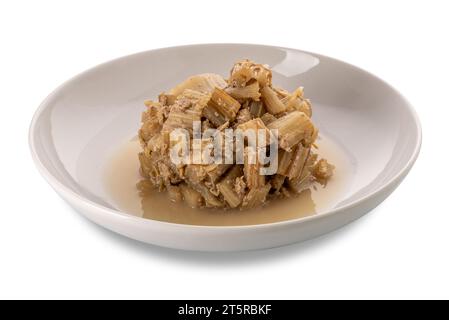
[[246, 101]]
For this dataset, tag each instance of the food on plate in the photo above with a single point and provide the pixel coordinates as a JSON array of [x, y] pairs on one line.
[[252, 120]]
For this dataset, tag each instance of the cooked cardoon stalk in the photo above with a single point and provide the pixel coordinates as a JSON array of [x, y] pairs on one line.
[[292, 128], [284, 161], [323, 170], [215, 171], [187, 109], [282, 93], [217, 119], [297, 104], [148, 129], [152, 120], [308, 166], [158, 144], [146, 166], [246, 70], [240, 186], [209, 198], [306, 107], [250, 91], [257, 109], [191, 197], [204, 83], [167, 99], [253, 124], [195, 173], [299, 158], [267, 118], [256, 196], [242, 116], [221, 108], [226, 187], [296, 101], [256, 127], [149, 169], [300, 183], [251, 169], [271, 100], [181, 119], [224, 103], [306, 178]]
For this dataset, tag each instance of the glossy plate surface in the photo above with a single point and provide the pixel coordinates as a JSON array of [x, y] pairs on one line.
[[76, 128]]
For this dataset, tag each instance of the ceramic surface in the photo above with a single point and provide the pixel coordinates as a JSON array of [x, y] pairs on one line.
[[77, 127]]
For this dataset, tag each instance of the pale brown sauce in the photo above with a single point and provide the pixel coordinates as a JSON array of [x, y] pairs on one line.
[[122, 175]]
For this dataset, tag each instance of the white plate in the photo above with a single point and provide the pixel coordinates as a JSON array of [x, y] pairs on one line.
[[77, 126]]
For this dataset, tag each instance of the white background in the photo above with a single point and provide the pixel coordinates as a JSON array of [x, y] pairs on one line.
[[399, 250]]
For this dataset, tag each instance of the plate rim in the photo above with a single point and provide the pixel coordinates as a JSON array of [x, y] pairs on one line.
[[67, 193]]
